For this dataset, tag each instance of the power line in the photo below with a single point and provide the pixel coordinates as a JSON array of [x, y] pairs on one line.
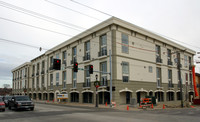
[[19, 43], [35, 27], [92, 8], [72, 10], [37, 15], [140, 27]]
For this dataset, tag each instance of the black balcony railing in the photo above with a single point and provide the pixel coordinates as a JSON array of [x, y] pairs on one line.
[[87, 57], [33, 75], [37, 73], [51, 67], [170, 85], [158, 60], [102, 53], [170, 63], [87, 84], [42, 72], [73, 61]]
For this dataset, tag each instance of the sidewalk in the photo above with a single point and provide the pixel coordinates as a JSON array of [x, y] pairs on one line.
[[118, 107]]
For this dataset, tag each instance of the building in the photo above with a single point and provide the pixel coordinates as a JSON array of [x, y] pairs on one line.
[[143, 64], [197, 77]]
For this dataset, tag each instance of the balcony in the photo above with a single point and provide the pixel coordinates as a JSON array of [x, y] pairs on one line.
[[73, 61], [42, 72], [37, 73], [51, 67], [159, 84], [87, 84], [102, 53], [104, 83], [170, 63], [87, 57], [170, 85], [33, 75], [158, 60]]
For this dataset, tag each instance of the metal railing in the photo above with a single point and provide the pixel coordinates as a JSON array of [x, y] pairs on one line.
[[169, 63], [87, 84], [87, 57], [102, 53], [158, 60]]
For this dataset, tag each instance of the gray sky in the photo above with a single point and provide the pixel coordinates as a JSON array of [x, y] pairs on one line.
[[177, 19]]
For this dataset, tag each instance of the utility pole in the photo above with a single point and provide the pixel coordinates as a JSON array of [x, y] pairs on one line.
[[110, 79], [179, 75]]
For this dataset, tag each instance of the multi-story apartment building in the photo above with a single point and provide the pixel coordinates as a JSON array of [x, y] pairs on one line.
[[143, 64], [21, 79]]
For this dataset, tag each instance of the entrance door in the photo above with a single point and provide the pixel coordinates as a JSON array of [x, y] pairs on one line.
[[128, 97]]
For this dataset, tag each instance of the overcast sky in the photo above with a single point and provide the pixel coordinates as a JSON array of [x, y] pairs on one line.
[[46, 23]]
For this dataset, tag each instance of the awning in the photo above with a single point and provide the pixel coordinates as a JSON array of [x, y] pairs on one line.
[[87, 91], [125, 90]]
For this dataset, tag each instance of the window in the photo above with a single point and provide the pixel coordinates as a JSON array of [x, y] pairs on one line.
[[87, 77], [57, 56], [57, 79], [186, 76], [170, 96], [158, 76], [74, 53], [43, 63], [37, 82], [51, 61], [87, 51], [74, 79], [170, 83], [103, 75], [150, 69], [158, 54], [190, 80], [158, 51], [125, 43], [103, 45], [38, 68], [185, 60], [64, 79], [42, 81], [190, 61], [33, 70], [125, 71], [51, 81], [64, 57], [33, 83]]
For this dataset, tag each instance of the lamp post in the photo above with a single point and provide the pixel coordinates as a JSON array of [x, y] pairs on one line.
[[96, 85]]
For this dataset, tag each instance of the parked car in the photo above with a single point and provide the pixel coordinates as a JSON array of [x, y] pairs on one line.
[[2, 105], [21, 102], [6, 99]]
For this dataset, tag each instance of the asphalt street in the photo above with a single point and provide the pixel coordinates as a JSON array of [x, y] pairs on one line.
[[58, 113]]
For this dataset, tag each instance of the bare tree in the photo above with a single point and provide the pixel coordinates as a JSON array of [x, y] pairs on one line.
[[6, 85]]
